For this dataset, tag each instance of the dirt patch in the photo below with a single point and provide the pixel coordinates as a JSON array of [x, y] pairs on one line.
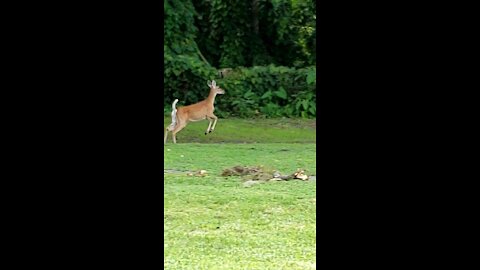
[[201, 173], [174, 171]]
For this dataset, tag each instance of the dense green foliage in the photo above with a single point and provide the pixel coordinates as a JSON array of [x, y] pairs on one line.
[[269, 91], [185, 74], [270, 44]]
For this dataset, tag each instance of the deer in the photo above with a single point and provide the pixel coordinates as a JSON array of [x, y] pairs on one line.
[[202, 110]]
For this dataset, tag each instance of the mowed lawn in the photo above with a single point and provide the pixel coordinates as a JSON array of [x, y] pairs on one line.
[[214, 222], [248, 131]]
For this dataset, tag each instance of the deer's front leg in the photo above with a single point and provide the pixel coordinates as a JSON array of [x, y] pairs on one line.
[[214, 123], [209, 125]]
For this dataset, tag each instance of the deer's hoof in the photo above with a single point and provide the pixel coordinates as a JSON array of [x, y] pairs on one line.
[[210, 131], [206, 133]]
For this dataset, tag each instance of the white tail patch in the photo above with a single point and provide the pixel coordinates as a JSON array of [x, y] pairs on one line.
[[174, 116]]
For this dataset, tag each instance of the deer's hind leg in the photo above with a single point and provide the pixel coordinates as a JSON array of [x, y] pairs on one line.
[[180, 125], [169, 128], [166, 134]]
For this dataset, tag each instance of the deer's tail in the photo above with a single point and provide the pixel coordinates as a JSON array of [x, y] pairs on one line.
[[173, 105], [174, 116]]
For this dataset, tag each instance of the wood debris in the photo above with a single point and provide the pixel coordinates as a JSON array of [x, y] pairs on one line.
[[201, 173], [259, 174]]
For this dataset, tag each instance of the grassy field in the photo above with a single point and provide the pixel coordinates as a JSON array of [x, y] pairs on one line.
[[214, 222], [249, 131]]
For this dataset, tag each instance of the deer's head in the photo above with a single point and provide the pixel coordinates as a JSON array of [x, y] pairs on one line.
[[213, 87]]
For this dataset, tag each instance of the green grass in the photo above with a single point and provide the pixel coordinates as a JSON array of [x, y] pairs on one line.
[[214, 222], [234, 130]]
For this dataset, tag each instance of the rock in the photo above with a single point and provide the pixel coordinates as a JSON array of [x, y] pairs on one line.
[[250, 183]]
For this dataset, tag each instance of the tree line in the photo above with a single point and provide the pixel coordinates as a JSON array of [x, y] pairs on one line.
[[268, 48]]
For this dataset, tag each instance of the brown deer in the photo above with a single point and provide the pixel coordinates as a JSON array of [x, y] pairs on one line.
[[195, 112]]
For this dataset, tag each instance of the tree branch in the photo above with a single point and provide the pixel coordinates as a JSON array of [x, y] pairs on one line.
[[201, 56]]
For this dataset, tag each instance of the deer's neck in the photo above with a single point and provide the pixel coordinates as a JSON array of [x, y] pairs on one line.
[[211, 97]]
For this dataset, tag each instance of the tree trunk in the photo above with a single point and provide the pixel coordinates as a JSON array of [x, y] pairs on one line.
[[255, 16]]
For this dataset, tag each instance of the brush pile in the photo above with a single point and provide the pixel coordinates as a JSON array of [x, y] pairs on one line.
[[258, 174]]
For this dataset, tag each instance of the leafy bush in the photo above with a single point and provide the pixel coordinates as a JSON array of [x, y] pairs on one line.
[[185, 77], [266, 91]]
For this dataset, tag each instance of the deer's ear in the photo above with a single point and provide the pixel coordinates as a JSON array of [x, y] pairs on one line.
[[214, 83], [209, 84]]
